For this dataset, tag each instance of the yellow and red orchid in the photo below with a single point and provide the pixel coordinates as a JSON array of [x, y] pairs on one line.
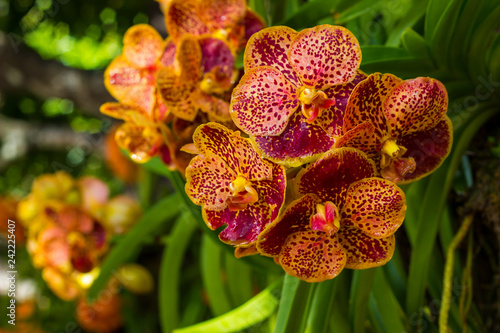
[[313, 70], [202, 79], [228, 20], [131, 77], [69, 223], [406, 129], [234, 186], [141, 136], [345, 218]]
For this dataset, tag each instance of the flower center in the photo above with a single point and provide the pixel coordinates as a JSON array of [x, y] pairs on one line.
[[242, 194], [394, 166], [313, 102], [326, 219]]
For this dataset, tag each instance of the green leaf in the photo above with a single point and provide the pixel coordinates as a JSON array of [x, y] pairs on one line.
[[239, 279], [309, 14], [460, 41], [481, 40], [385, 309], [130, 245], [211, 272], [413, 15], [440, 40], [415, 44], [294, 296], [249, 314], [321, 307], [431, 207], [356, 9], [435, 10], [360, 294], [493, 59], [377, 53], [170, 271], [339, 316], [404, 68]]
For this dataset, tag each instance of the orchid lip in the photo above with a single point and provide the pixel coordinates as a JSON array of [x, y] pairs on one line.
[[390, 151], [326, 219], [313, 102], [242, 194]]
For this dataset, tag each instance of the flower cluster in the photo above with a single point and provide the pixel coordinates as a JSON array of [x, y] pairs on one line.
[[69, 223], [166, 88], [312, 180]]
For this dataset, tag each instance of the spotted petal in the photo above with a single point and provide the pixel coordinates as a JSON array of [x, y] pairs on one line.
[[415, 105], [237, 152], [325, 56], [312, 256], [207, 182], [300, 143], [130, 85], [252, 23], [243, 226], [428, 149], [141, 142], [367, 101], [331, 175], [188, 58], [363, 251], [332, 119], [142, 46], [127, 112], [268, 47], [184, 17], [216, 54], [262, 102], [222, 14], [375, 206], [296, 218]]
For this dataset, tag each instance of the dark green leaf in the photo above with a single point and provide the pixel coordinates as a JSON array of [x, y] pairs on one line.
[[377, 53], [294, 296], [415, 44], [404, 68], [360, 294], [413, 14]]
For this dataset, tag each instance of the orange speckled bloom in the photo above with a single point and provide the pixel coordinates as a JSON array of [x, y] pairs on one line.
[[229, 20], [233, 184], [406, 129], [313, 71], [345, 218]]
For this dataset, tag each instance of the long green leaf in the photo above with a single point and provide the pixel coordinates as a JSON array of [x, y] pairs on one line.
[[249, 314], [385, 308], [403, 67], [322, 305], [440, 40], [294, 296], [211, 272], [413, 15], [239, 279], [360, 293], [356, 9], [376, 53], [170, 270], [309, 14], [415, 44], [435, 10], [130, 244]]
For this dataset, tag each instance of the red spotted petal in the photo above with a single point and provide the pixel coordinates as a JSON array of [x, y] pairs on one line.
[[268, 47], [325, 56], [142, 46], [179, 96], [332, 119], [188, 58], [375, 206], [331, 175], [222, 14], [415, 105], [296, 218], [243, 226], [130, 85], [300, 143], [207, 181], [362, 137], [216, 55], [363, 251], [252, 23], [141, 142], [168, 57], [312, 256], [263, 101], [184, 17], [127, 112], [367, 101], [237, 152], [428, 149]]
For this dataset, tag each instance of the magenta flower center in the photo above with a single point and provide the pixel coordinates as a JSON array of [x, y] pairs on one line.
[[313, 102]]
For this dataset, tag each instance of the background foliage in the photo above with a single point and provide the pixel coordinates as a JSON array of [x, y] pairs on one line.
[[201, 287]]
